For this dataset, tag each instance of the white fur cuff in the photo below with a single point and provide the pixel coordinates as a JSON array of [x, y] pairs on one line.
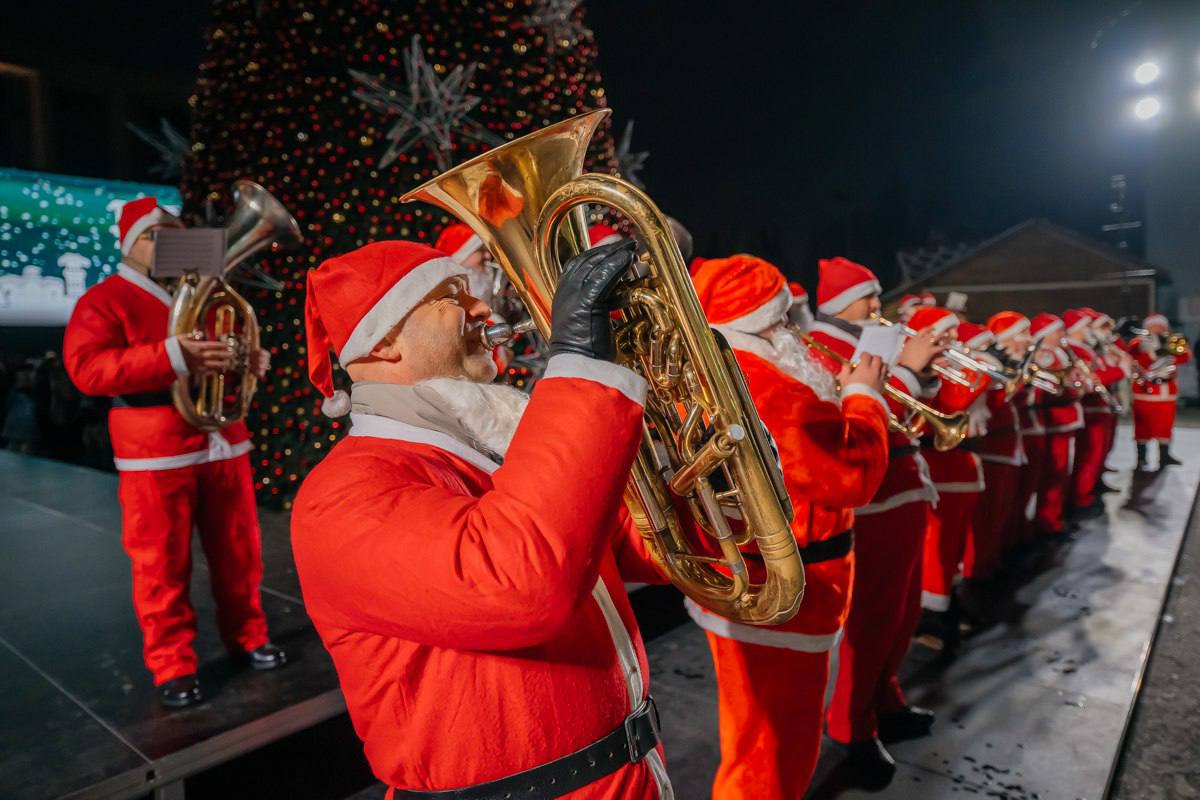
[[614, 376], [175, 354], [866, 391]]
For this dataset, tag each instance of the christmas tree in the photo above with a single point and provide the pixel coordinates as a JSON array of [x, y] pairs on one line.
[[338, 108]]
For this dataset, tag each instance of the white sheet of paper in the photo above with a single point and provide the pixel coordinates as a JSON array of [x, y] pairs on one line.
[[879, 340]]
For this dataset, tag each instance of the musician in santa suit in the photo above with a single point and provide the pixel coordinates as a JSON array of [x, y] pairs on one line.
[[909, 303], [833, 450], [958, 477], [868, 704], [173, 477], [999, 515], [1154, 398], [1090, 440], [465, 571], [1117, 365], [1063, 416]]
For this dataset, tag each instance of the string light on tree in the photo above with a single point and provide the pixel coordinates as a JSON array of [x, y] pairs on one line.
[[274, 102], [560, 21]]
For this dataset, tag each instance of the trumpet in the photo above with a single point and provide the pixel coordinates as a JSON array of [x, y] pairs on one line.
[[956, 353], [948, 429], [1029, 373], [1089, 378], [1177, 345]]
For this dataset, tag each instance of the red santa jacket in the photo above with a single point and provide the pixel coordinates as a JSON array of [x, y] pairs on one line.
[[116, 345], [476, 614], [958, 470], [833, 458], [1001, 443], [1105, 364], [1060, 413], [1145, 350], [907, 478]]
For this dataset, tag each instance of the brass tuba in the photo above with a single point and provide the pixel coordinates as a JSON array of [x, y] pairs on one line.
[[703, 446], [209, 308]]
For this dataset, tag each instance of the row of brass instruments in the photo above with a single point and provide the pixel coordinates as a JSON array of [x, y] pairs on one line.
[[1163, 368]]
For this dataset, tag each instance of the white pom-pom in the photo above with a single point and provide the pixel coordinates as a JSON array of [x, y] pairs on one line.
[[337, 405]]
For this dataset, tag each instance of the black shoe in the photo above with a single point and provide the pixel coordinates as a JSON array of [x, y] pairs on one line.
[[1165, 459], [268, 656], [912, 722], [180, 692], [870, 765]]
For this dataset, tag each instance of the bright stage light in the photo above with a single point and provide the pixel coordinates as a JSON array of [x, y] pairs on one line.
[[1146, 72], [1147, 108]]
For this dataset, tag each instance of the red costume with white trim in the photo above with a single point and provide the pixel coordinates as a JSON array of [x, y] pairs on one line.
[[1154, 403], [1063, 416], [172, 476], [888, 534], [771, 680], [476, 613], [957, 475]]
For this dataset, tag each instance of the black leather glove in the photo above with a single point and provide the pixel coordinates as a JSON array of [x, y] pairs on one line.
[[579, 320]]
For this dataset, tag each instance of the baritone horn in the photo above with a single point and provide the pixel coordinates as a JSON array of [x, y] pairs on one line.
[[704, 480], [209, 308]]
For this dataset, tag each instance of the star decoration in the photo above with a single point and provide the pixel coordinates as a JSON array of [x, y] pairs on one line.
[[630, 163], [559, 21], [431, 111], [171, 146]]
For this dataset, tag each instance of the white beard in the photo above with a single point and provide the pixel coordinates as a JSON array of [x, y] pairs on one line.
[[488, 412], [795, 360]]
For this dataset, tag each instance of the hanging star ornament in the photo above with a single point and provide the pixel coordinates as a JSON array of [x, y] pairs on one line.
[[431, 112], [629, 164], [559, 22], [171, 147]]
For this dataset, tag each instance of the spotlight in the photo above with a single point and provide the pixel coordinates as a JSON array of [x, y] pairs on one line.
[[1147, 108], [1146, 72]]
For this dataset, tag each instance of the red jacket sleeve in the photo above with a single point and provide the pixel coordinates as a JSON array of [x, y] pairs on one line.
[[100, 360], [634, 562], [426, 561], [952, 398]]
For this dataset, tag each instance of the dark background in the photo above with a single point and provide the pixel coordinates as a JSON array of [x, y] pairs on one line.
[[792, 130]]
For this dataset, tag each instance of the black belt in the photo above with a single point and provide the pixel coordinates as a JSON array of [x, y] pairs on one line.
[[903, 450], [143, 400], [837, 546], [968, 445], [628, 744]]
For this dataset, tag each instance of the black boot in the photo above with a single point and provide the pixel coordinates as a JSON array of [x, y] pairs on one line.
[[180, 692], [268, 656], [1165, 459], [870, 765], [911, 722], [1141, 458]]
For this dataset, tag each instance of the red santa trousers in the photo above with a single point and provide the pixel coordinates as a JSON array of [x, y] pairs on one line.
[[1020, 526], [1153, 420], [989, 532], [1090, 450], [885, 607], [1110, 436], [159, 509], [1055, 483], [945, 543], [771, 701]]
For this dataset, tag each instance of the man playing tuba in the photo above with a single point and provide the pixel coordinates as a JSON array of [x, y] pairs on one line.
[[465, 572], [172, 476]]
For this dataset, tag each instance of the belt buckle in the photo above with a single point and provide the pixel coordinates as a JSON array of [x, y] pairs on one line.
[[648, 709]]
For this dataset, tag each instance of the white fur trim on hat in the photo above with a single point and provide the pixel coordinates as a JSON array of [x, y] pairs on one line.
[[612, 238], [1016, 329], [1049, 329], [769, 313], [840, 301], [156, 216], [394, 306], [1081, 323], [1102, 319], [1155, 319], [468, 247], [981, 340], [944, 324], [336, 405]]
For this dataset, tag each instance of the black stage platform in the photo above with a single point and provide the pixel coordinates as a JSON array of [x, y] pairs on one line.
[[1035, 708], [78, 714]]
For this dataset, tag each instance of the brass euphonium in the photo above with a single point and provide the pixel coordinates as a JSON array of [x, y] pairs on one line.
[[702, 441], [1177, 345], [209, 308]]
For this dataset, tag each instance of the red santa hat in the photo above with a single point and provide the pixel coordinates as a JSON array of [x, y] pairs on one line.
[[939, 320], [138, 216], [908, 303], [928, 298], [355, 299], [842, 282], [603, 234], [1155, 319], [1098, 317], [1004, 325], [799, 294], [459, 241], [976, 337], [742, 292], [1045, 324], [1076, 319]]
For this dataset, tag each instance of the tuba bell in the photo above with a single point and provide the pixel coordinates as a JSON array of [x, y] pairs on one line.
[[703, 446], [209, 308]]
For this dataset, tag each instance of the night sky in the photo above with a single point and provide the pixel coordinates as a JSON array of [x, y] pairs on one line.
[[813, 129]]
